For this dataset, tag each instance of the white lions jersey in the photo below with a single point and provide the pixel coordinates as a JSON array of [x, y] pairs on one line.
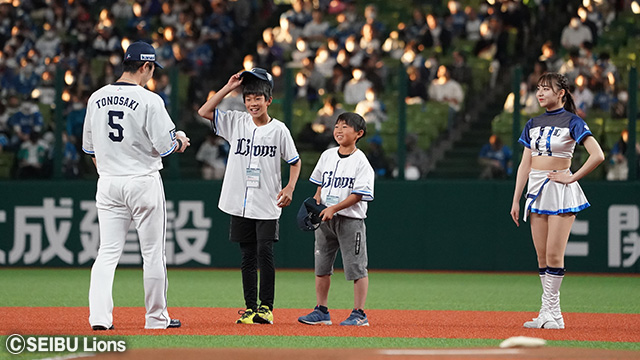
[[340, 176], [128, 130], [253, 177]]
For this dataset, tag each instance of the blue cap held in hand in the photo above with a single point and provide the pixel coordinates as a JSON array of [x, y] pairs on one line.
[[259, 73]]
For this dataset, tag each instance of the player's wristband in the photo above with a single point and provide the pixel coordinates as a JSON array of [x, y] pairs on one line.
[[179, 144]]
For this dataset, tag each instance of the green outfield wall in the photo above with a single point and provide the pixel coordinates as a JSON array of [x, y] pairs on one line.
[[430, 225]]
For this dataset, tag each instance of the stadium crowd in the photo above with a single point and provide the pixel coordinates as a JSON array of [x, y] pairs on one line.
[[341, 50]]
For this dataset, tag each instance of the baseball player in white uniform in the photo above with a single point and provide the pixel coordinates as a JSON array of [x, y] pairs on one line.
[[127, 130], [252, 190]]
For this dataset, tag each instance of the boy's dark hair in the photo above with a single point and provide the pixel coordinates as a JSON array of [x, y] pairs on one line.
[[132, 66], [355, 121], [254, 86]]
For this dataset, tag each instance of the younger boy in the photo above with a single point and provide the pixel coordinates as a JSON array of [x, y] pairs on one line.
[[345, 185], [252, 192]]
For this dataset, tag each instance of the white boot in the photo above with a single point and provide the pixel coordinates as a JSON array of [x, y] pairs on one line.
[[550, 316], [552, 287], [535, 323], [544, 321]]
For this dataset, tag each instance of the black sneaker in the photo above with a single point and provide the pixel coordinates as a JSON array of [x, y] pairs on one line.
[[174, 323], [101, 328]]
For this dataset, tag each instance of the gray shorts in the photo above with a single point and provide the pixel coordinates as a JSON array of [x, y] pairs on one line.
[[348, 235]]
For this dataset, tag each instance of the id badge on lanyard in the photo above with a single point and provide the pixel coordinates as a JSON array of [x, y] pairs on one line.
[[253, 177], [332, 200]]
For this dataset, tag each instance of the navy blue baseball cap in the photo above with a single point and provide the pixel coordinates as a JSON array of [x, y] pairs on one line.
[[141, 51], [259, 73]]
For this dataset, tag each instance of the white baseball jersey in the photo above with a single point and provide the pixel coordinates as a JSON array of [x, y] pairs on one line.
[[342, 176], [253, 177], [128, 129]]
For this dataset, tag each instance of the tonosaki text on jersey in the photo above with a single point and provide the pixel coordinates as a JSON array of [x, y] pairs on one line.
[[245, 148], [337, 181], [117, 100]]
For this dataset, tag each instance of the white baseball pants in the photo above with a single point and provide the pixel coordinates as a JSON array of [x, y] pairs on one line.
[[121, 200]]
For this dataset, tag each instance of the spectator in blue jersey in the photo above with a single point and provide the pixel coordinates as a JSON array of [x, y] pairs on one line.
[[495, 158], [25, 121], [618, 168]]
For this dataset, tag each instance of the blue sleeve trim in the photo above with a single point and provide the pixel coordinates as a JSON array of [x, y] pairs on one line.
[[214, 122], [170, 150], [523, 142], [315, 181], [366, 196], [294, 160], [584, 135], [88, 151]]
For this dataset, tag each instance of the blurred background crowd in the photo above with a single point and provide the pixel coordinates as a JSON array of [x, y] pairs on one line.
[[450, 62]]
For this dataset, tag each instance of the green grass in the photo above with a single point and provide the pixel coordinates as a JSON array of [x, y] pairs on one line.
[[310, 342], [341, 342], [198, 341], [295, 289]]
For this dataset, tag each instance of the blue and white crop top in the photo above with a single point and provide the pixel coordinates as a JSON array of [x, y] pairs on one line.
[[554, 133]]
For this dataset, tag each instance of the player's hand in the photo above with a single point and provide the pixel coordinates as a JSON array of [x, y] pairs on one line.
[[327, 214], [515, 213], [186, 142], [563, 177], [234, 81], [284, 197]]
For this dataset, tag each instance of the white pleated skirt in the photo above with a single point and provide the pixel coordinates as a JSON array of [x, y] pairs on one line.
[[552, 198]]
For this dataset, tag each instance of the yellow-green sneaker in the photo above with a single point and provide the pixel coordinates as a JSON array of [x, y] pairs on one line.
[[246, 316], [264, 315]]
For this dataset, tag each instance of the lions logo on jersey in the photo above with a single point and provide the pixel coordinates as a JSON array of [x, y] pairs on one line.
[[328, 180], [244, 148]]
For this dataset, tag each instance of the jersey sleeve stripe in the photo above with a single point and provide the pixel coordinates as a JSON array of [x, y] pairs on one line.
[[315, 181], [214, 122], [88, 151], [170, 150], [293, 160], [583, 136], [366, 195], [523, 142]]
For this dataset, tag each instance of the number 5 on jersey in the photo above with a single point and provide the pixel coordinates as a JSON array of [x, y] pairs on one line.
[[116, 136]]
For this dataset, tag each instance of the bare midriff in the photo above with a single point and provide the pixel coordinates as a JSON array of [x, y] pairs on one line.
[[549, 163]]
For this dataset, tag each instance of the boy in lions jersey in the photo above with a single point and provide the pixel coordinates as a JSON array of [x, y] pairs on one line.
[[345, 185], [252, 191]]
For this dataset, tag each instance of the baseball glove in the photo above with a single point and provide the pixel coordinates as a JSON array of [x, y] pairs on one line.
[[309, 214]]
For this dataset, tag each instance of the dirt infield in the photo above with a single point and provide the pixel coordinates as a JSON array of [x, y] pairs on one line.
[[384, 323]]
